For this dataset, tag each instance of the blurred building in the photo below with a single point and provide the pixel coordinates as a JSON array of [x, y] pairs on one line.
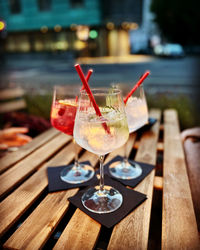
[[132, 25], [85, 27]]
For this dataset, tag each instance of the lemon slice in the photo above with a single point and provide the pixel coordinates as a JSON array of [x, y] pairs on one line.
[[68, 103]]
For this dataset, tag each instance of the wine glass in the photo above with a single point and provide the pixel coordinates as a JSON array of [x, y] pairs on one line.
[[101, 135], [63, 112], [137, 116]]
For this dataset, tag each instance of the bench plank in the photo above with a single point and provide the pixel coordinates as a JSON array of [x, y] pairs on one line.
[[52, 209], [86, 236], [11, 208], [133, 231], [11, 158], [158, 182], [179, 228], [12, 105], [9, 93], [21, 170], [36, 230], [160, 146]]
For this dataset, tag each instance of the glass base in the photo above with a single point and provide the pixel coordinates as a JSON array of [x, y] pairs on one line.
[[125, 170], [102, 202], [75, 176]]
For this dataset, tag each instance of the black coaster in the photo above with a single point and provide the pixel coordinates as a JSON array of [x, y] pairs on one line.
[[131, 199], [56, 184], [151, 122], [146, 169]]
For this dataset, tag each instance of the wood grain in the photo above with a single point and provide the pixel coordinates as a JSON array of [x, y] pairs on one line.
[[13, 157], [52, 209], [21, 170], [160, 146], [179, 228], [158, 182], [35, 231], [87, 232], [24, 196], [132, 232]]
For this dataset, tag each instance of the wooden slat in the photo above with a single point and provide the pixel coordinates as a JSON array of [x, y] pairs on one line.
[[34, 233], [12, 105], [41, 223], [179, 228], [86, 235], [11, 93], [21, 170], [11, 158], [158, 182], [132, 232], [160, 146], [24, 196]]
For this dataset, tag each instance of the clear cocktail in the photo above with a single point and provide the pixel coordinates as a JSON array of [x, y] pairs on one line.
[[137, 116], [101, 135]]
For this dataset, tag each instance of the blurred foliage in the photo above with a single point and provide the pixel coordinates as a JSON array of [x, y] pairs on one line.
[[188, 116], [178, 20], [39, 105]]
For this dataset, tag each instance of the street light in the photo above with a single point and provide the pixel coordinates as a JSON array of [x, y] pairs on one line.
[[2, 25]]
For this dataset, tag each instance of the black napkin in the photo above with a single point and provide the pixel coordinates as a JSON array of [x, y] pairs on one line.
[[131, 199], [151, 122], [146, 169], [56, 184]]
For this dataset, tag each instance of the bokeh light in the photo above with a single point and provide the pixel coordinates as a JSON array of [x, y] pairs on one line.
[[93, 34], [2, 25]]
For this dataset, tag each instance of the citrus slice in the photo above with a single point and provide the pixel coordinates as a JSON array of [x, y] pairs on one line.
[[68, 103]]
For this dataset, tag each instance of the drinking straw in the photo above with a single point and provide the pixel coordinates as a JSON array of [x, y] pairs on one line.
[[90, 71], [87, 79], [88, 90], [136, 86]]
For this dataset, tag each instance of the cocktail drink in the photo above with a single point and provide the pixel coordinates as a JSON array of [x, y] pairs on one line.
[[101, 135], [91, 135], [137, 116], [63, 112], [136, 110]]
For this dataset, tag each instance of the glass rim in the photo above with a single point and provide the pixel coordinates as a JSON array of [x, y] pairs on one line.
[[62, 86], [101, 91]]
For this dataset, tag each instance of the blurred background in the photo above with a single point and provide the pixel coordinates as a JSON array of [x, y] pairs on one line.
[[41, 40]]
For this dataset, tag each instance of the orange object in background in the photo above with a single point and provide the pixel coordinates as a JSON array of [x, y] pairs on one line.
[[13, 137]]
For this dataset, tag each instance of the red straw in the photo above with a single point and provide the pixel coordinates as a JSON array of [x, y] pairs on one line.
[[136, 85], [87, 79], [88, 90]]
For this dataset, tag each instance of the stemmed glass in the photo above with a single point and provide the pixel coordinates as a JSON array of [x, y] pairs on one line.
[[101, 135], [63, 112], [137, 116]]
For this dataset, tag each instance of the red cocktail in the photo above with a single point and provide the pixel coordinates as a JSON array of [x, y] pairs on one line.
[[63, 114]]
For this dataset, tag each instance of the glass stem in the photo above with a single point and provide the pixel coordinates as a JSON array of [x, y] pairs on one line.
[[101, 160], [125, 160], [76, 164]]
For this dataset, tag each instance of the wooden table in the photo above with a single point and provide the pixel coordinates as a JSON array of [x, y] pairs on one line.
[[32, 218]]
